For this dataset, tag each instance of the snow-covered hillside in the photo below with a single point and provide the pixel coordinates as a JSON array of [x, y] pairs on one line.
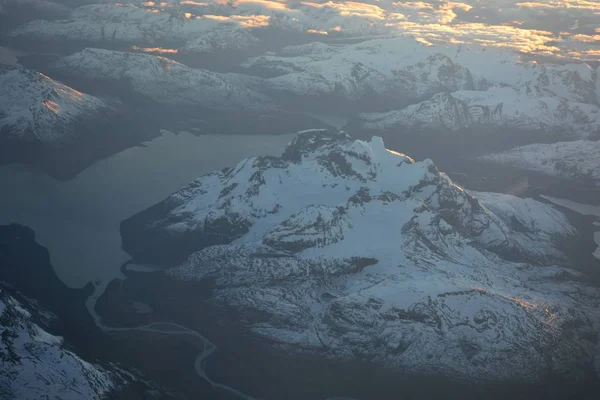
[[36, 364], [496, 107], [411, 70], [116, 23], [226, 39], [348, 250], [167, 81], [37, 109], [579, 160]]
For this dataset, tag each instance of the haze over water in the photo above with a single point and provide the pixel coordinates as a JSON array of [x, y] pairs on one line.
[[78, 220]]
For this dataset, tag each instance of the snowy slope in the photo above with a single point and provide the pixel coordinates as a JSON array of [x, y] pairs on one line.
[[353, 79], [351, 251], [578, 160], [35, 364], [167, 81], [413, 68], [116, 22], [35, 108], [497, 107], [226, 39]]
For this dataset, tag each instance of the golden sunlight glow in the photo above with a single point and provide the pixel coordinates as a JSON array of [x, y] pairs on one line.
[[399, 154], [564, 4], [272, 5], [71, 93], [52, 106], [586, 38], [216, 17], [524, 304], [414, 5], [428, 22], [352, 9], [424, 41], [252, 21], [499, 36], [155, 50], [317, 32], [192, 3], [459, 6]]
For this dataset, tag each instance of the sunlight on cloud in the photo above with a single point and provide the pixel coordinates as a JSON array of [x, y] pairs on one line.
[[252, 21], [499, 36], [414, 5], [217, 17], [267, 4], [429, 22], [155, 50], [351, 8], [563, 4], [586, 38], [192, 3]]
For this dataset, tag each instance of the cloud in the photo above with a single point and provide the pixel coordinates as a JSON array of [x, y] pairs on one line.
[[155, 50], [414, 5], [586, 38], [271, 5], [559, 28], [352, 9], [564, 4], [498, 36]]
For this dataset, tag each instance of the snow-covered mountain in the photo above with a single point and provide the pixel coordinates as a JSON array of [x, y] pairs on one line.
[[345, 250], [116, 23], [226, 39], [407, 71], [167, 81], [37, 109], [579, 160], [16, 12], [357, 79], [496, 107], [36, 364], [59, 130]]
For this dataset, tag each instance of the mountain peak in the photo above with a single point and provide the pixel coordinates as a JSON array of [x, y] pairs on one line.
[[345, 249]]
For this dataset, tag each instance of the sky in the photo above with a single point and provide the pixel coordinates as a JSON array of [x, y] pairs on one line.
[[564, 29]]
